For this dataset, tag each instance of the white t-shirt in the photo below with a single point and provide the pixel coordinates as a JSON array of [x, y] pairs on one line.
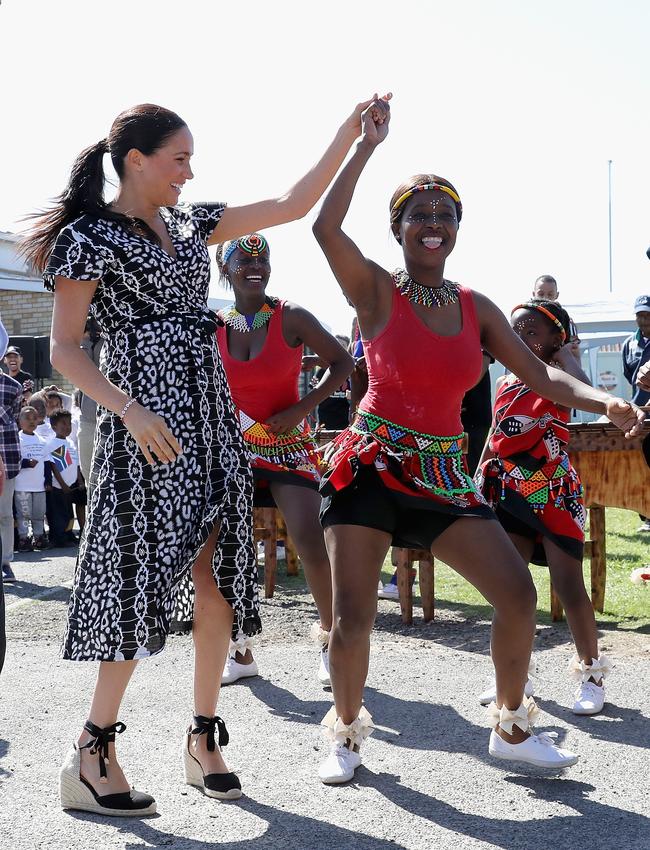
[[31, 479], [64, 457]]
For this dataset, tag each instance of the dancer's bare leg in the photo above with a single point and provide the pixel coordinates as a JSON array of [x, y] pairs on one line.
[[211, 632], [112, 680], [481, 552], [299, 507], [356, 554], [566, 574]]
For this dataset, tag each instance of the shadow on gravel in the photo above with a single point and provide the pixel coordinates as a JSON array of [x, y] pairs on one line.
[[285, 829], [29, 590], [412, 724], [471, 634], [593, 825], [4, 749], [629, 726]]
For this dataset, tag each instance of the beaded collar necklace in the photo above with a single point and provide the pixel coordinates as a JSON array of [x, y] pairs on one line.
[[244, 322], [428, 296]]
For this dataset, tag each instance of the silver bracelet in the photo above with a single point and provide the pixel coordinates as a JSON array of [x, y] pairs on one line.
[[126, 407]]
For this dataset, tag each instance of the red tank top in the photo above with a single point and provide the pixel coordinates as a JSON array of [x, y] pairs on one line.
[[268, 383], [417, 378]]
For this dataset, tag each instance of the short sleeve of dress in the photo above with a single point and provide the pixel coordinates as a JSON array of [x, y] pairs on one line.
[[207, 217], [77, 254]]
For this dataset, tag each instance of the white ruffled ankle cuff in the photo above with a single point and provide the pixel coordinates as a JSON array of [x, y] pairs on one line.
[[523, 717], [355, 732], [597, 670], [319, 635], [241, 645]]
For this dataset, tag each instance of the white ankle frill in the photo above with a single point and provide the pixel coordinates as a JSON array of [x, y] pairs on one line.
[[523, 717], [319, 636], [598, 669], [241, 646], [340, 733]]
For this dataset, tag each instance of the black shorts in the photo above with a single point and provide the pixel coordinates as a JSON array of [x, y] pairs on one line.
[[368, 502]]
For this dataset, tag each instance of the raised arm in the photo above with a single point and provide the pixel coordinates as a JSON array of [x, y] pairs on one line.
[[71, 302], [296, 203], [359, 278], [498, 337]]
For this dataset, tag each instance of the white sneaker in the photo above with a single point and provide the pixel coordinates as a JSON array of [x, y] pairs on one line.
[[538, 750], [490, 693], [339, 766], [590, 698], [233, 671], [324, 667], [388, 591]]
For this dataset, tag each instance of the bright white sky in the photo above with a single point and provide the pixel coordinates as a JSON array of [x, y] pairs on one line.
[[519, 103]]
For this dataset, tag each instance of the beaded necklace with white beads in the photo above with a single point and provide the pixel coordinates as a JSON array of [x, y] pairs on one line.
[[428, 296], [246, 323]]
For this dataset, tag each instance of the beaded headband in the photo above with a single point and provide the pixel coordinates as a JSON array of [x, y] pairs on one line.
[[546, 312], [424, 188], [253, 244]]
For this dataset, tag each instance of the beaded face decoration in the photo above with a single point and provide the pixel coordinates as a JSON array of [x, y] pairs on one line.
[[425, 187], [428, 296], [253, 244], [541, 309]]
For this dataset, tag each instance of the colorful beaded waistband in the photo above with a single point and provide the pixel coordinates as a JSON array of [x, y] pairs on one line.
[[262, 441], [405, 439]]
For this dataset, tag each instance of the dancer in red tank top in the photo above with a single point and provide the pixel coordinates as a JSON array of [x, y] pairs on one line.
[[261, 343], [397, 475]]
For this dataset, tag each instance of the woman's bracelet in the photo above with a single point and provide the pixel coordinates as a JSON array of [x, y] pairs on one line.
[[126, 407]]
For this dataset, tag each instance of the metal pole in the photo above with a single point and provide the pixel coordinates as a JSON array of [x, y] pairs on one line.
[[609, 210]]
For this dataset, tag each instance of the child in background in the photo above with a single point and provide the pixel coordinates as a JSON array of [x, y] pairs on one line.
[[46, 403], [31, 484], [536, 493], [67, 481]]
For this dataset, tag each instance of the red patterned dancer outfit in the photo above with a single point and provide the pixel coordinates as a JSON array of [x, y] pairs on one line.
[[408, 424], [260, 388], [531, 478]]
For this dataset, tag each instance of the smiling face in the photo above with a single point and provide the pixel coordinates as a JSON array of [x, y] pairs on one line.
[[536, 332], [14, 362], [428, 228], [249, 273], [164, 173]]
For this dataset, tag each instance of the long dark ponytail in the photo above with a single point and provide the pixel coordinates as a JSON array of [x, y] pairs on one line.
[[146, 128]]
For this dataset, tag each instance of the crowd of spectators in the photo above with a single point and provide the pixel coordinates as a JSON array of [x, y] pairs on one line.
[[43, 495]]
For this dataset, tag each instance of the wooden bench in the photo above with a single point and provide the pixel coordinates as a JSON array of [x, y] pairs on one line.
[[268, 526]]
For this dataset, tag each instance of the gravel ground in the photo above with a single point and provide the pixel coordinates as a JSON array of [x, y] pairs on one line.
[[426, 781]]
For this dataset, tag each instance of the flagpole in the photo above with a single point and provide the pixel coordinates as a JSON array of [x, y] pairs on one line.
[[609, 210]]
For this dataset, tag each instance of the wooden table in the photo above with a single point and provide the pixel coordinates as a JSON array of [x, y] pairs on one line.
[[614, 474]]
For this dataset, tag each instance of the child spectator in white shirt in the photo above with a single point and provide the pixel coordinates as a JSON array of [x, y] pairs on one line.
[[67, 481], [31, 484]]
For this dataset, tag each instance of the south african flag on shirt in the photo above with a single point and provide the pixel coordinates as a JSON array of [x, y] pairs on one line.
[[61, 457]]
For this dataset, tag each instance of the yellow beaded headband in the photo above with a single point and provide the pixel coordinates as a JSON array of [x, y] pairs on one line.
[[546, 312], [424, 188]]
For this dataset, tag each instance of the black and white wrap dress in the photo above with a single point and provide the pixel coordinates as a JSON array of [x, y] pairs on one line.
[[146, 525]]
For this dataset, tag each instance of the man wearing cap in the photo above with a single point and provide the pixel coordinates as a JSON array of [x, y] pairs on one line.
[[13, 362], [636, 353], [636, 349]]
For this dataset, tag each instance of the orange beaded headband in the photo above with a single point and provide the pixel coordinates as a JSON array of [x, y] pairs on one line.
[[546, 312]]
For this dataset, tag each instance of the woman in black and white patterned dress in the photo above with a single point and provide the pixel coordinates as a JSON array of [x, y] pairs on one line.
[[171, 484]]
